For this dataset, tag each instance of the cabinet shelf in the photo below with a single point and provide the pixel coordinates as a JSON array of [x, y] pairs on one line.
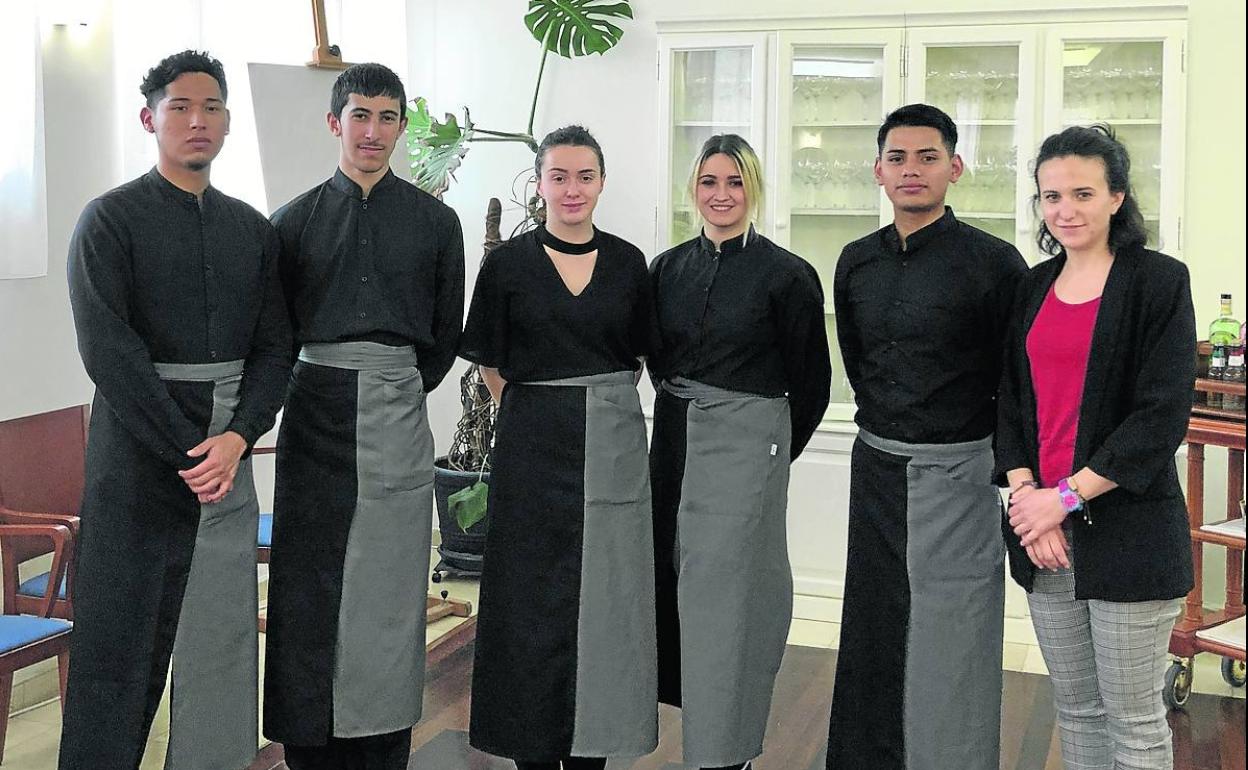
[[837, 123], [1067, 123], [712, 124], [814, 212], [985, 214]]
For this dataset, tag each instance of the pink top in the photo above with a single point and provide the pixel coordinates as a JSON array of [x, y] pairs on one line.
[[1058, 346]]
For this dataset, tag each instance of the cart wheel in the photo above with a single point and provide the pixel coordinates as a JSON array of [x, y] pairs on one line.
[[1178, 684], [1233, 672]]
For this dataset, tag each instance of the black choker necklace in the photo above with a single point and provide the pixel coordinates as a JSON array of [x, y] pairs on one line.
[[563, 247]]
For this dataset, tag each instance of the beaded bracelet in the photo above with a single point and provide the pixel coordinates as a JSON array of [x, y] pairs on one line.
[[1070, 497]]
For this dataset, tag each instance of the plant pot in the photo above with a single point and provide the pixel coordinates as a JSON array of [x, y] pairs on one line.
[[461, 551]]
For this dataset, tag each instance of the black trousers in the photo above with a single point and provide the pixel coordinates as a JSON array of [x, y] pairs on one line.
[[388, 751]]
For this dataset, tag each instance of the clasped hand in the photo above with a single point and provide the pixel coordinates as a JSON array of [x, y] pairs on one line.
[[213, 478], [1036, 516]]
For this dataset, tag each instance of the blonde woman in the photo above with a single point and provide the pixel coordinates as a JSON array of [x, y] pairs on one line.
[[743, 378]]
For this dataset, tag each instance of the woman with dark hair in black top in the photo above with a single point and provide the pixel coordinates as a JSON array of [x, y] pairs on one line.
[[560, 320], [1095, 400], [743, 377]]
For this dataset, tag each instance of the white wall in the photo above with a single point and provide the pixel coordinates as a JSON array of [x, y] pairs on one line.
[[39, 365]]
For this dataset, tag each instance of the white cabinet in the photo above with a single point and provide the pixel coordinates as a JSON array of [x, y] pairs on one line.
[[708, 86], [1131, 76], [810, 101]]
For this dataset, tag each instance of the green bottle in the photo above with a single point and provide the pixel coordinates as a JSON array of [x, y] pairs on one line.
[[1225, 329]]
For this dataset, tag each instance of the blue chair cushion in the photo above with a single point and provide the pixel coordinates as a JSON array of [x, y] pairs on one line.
[[20, 630], [265, 537], [37, 585]]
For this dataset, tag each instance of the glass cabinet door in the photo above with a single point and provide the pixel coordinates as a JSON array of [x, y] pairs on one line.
[[1133, 84], [834, 95], [709, 88], [987, 86]]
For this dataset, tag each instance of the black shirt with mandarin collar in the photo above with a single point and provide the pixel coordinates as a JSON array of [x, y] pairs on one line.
[[921, 328], [747, 317], [158, 274], [386, 268]]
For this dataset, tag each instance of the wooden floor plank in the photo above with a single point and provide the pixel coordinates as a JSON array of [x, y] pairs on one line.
[[1209, 735]]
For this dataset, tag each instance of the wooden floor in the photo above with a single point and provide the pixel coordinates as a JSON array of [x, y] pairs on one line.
[[1209, 735]]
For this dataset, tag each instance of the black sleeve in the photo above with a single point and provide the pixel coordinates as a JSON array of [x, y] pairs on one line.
[[485, 339], [115, 357], [1135, 452], [644, 333], [1009, 449], [448, 312], [289, 228], [267, 369], [846, 332], [655, 364], [804, 348], [1015, 270]]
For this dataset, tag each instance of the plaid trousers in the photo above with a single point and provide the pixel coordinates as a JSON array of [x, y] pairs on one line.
[[1107, 663]]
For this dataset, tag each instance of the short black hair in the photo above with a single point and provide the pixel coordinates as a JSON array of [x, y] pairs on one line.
[[922, 116], [171, 67], [1126, 227], [574, 135], [368, 79]]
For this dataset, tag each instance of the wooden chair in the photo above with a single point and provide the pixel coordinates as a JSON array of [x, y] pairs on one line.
[[42, 459], [28, 639]]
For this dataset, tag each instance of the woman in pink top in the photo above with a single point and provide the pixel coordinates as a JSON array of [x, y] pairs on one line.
[[1094, 402]]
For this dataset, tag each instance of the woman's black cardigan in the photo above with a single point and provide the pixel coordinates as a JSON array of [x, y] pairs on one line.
[[1137, 398]]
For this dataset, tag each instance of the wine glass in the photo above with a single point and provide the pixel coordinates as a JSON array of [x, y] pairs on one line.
[[812, 167]]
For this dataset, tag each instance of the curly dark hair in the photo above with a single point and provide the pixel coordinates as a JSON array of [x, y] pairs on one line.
[[159, 77], [1126, 227]]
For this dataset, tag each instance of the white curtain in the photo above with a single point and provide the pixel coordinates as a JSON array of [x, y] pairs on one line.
[[23, 199]]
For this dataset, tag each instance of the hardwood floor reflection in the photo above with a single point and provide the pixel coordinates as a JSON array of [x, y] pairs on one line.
[[1209, 735]]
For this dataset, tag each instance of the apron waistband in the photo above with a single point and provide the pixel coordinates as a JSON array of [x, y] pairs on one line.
[[944, 451], [687, 389], [199, 372], [359, 356], [589, 380]]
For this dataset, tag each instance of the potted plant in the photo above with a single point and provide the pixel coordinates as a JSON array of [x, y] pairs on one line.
[[435, 150]]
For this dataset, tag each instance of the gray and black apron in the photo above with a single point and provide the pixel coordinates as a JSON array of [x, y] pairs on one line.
[[351, 542], [720, 466], [160, 573], [918, 679], [565, 662]]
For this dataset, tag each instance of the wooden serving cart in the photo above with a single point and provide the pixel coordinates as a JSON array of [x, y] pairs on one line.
[[1218, 631]]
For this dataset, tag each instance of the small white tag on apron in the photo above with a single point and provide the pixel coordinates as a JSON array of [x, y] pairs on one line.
[[774, 449]]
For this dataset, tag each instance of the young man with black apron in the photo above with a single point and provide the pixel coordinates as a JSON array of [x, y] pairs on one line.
[[921, 311], [182, 327], [373, 272]]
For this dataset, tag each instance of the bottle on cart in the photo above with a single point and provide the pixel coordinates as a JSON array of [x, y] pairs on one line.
[[1234, 372], [1217, 368], [1225, 329]]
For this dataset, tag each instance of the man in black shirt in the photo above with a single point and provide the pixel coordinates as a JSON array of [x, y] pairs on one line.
[[373, 272], [921, 309], [181, 326]]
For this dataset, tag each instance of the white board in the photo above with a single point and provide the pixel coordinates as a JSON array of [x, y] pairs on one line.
[[297, 151]]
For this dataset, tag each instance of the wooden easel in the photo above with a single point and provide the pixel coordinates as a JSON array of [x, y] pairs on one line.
[[324, 55]]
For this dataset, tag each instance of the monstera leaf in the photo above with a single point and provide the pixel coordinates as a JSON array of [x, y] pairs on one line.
[[577, 27], [435, 149]]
